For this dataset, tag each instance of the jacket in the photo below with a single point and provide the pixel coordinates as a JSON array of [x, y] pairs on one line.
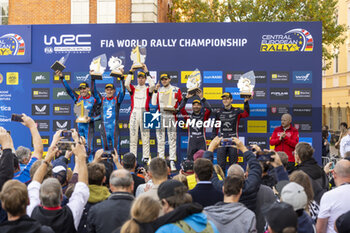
[[318, 177], [24, 224], [305, 224], [198, 222], [288, 143], [206, 194], [264, 198], [110, 214], [229, 217]]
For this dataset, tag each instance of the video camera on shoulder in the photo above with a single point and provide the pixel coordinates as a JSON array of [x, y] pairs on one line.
[[264, 156], [227, 142]]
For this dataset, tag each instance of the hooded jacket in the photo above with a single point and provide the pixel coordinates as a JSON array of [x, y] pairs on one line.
[[232, 217], [24, 224]]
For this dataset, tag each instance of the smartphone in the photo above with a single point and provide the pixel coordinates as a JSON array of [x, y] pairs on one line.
[[264, 156], [226, 142], [332, 166], [108, 154], [17, 117], [67, 134]]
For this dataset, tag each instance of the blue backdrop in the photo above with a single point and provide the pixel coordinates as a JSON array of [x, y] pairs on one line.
[[286, 58]]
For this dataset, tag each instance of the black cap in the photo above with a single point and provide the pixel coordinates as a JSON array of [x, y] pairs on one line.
[[281, 215], [343, 223], [167, 188], [186, 165], [166, 76], [227, 94], [83, 85]]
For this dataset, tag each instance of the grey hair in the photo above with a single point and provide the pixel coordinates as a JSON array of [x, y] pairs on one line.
[[235, 169], [121, 178], [51, 193], [22, 153]]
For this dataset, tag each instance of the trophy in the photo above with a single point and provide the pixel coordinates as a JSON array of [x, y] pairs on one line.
[[81, 113], [138, 57], [98, 66], [246, 84], [194, 82], [116, 65], [167, 100], [59, 65]]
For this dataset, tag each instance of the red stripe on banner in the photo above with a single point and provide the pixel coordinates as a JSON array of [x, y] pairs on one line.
[[19, 38], [21, 45], [307, 33]]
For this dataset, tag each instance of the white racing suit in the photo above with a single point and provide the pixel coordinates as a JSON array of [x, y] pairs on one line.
[[140, 99], [168, 118]]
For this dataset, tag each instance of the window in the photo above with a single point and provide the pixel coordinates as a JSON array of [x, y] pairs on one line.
[[339, 116], [4, 15], [336, 64], [330, 118], [106, 11], [79, 11]]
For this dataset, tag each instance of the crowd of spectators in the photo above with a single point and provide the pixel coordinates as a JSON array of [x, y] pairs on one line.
[[115, 193]]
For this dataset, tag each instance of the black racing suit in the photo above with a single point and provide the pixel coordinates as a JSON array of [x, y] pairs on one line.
[[229, 128], [196, 135]]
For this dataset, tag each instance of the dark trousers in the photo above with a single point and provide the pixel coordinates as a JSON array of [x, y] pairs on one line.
[[194, 145], [222, 154]]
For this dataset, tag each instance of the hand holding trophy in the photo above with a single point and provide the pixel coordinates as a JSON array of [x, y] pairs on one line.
[[59, 65], [98, 66], [194, 81], [138, 57], [246, 84], [116, 65]]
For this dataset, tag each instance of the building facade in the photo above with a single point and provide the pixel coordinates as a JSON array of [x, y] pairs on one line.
[[15, 12]]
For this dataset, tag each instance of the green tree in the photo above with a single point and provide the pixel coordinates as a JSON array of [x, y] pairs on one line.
[[266, 11]]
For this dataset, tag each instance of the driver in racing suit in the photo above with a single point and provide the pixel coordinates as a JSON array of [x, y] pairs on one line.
[[196, 135], [140, 99], [229, 117]]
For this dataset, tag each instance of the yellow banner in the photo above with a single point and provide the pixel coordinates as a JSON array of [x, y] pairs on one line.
[[257, 126], [212, 93]]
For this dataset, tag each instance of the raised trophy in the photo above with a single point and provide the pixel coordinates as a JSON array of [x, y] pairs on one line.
[[138, 57], [81, 113], [167, 100], [59, 65], [246, 84], [116, 65], [98, 66], [194, 81]]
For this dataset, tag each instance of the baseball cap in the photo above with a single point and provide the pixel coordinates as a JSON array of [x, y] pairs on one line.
[[167, 188], [294, 195], [141, 74], [83, 85], [343, 223], [164, 76], [60, 172], [186, 165], [198, 154], [109, 85], [281, 215], [196, 101], [227, 94]]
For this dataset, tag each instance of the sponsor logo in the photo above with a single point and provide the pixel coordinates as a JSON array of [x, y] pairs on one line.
[[5, 96], [302, 93], [262, 142], [212, 93], [234, 92], [184, 142], [256, 126], [61, 109], [40, 93], [45, 140], [60, 94], [279, 77], [174, 75], [258, 110], [12, 45], [125, 110], [274, 125], [212, 77], [233, 76], [105, 79], [279, 93], [302, 109], [260, 76], [151, 120], [72, 43], [1, 78], [81, 77], [241, 127], [4, 119], [303, 127], [66, 75], [306, 139], [260, 93], [109, 113], [295, 40], [40, 109], [124, 125], [40, 77], [124, 142], [43, 125], [186, 74], [5, 108], [12, 78], [61, 125], [279, 109], [302, 77]]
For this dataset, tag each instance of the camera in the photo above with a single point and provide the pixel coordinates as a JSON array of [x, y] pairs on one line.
[[108, 154], [67, 134], [227, 142], [265, 156], [17, 117]]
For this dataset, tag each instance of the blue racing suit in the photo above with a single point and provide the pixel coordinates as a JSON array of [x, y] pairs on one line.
[[110, 116], [85, 129]]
